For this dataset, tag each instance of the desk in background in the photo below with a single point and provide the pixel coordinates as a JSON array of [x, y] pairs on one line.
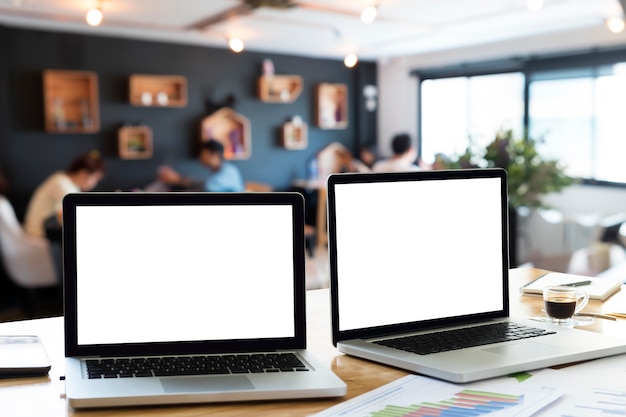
[[38, 397]]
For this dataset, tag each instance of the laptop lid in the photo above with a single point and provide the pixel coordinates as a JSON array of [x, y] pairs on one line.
[[181, 273], [416, 250]]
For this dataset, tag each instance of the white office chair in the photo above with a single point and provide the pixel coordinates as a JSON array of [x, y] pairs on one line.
[[27, 259]]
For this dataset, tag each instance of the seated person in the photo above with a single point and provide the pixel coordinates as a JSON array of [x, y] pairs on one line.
[[368, 156], [348, 163], [403, 158], [221, 176], [83, 174]]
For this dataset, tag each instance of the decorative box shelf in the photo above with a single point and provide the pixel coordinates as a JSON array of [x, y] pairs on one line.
[[279, 88], [332, 106], [134, 142], [231, 129], [158, 90], [294, 135], [71, 101]]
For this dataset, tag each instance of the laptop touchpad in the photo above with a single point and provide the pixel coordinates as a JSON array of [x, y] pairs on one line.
[[531, 349], [206, 384]]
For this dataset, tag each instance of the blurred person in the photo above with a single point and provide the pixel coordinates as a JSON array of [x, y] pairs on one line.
[[403, 158], [221, 176], [83, 174], [368, 156], [347, 163]]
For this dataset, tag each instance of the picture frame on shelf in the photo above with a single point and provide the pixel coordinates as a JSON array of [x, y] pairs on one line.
[[135, 142], [294, 134], [331, 106]]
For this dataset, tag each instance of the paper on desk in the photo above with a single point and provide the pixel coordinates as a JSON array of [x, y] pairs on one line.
[[417, 396], [594, 388]]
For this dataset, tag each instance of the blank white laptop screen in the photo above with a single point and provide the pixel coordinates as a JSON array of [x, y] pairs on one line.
[[141, 276], [406, 251]]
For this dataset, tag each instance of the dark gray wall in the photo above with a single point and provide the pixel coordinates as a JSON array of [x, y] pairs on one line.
[[28, 154]]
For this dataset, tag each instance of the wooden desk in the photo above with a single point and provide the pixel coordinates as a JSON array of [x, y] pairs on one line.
[[43, 396]]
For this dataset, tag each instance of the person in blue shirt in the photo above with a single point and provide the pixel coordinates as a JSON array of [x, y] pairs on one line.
[[221, 175]]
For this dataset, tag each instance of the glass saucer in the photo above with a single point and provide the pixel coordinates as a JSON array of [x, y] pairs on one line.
[[575, 322]]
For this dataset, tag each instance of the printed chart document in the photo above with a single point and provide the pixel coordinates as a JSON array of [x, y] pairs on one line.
[[418, 396], [595, 388]]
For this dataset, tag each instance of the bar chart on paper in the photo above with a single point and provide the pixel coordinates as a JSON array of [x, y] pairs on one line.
[[418, 396], [601, 402], [463, 403]]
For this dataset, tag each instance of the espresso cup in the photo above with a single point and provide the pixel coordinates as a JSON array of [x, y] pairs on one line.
[[562, 303]]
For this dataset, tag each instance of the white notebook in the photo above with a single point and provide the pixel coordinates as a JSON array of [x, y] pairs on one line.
[[597, 288]]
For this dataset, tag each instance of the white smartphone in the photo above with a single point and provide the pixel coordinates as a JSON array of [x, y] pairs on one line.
[[23, 356]]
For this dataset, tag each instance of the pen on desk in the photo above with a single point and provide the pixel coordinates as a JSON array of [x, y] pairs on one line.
[[576, 284], [598, 316]]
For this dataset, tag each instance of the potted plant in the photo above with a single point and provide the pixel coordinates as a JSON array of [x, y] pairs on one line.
[[530, 176]]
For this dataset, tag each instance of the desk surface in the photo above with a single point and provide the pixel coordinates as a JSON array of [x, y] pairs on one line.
[[43, 396]]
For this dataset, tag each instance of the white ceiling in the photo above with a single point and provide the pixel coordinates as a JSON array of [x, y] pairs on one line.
[[331, 28]]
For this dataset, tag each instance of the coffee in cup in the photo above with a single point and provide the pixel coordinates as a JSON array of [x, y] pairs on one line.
[[562, 303]]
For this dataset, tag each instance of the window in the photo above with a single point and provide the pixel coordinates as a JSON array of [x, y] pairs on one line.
[[610, 135], [457, 110], [561, 115], [575, 109], [580, 119]]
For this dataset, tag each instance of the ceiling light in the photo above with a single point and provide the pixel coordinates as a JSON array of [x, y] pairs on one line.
[[235, 45], [350, 60], [369, 14], [94, 17], [616, 24], [534, 5]]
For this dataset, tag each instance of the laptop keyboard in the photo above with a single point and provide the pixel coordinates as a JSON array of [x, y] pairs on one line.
[[443, 341], [193, 365]]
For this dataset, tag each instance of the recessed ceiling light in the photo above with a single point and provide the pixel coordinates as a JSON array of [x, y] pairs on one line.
[[368, 15], [94, 17], [616, 24], [350, 60], [236, 45]]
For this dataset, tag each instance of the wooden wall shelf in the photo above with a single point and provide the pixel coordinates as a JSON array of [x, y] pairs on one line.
[[158, 90], [231, 129], [279, 88], [134, 142], [71, 101]]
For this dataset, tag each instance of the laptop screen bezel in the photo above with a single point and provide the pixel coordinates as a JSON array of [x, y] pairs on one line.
[[72, 201], [435, 175]]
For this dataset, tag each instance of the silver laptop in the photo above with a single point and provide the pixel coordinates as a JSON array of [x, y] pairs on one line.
[[415, 254], [183, 297]]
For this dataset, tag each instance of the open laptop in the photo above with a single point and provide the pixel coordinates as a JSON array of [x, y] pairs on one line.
[[422, 252], [187, 297]]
